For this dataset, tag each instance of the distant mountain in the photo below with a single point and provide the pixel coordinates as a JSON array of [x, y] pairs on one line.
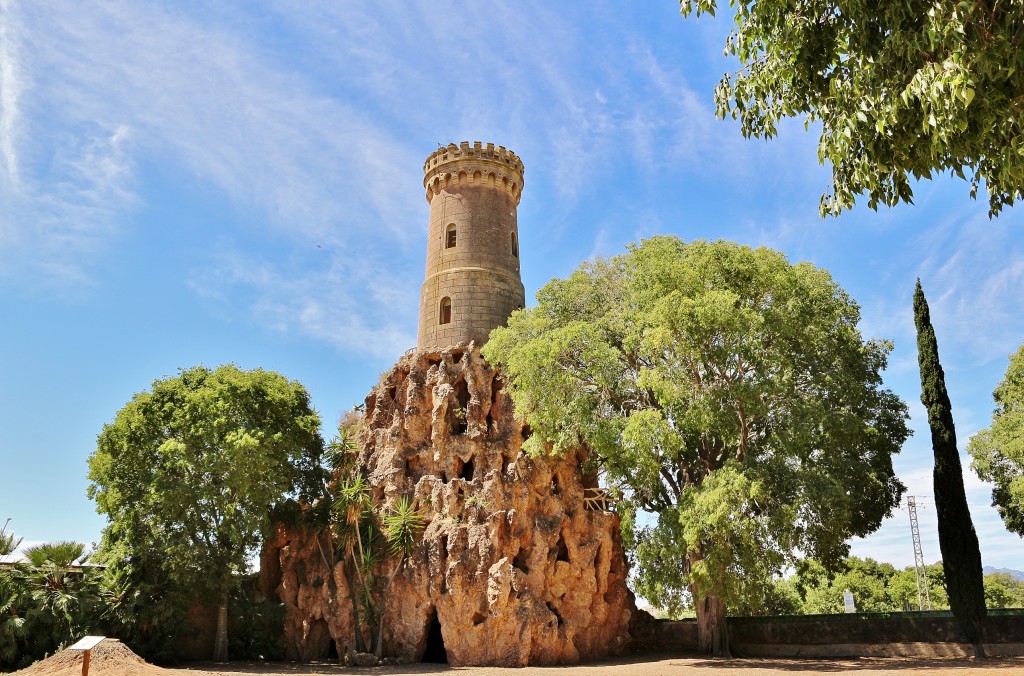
[[1009, 571]]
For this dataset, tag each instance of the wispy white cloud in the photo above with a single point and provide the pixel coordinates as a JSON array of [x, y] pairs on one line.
[[10, 90], [348, 302], [133, 86], [316, 135], [47, 230], [972, 272]]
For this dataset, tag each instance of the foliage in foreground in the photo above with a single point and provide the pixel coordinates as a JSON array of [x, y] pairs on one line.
[[723, 389], [902, 90], [998, 451], [46, 603], [368, 540], [49, 600]]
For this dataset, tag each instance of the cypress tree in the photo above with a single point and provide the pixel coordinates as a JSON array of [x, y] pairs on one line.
[[961, 556]]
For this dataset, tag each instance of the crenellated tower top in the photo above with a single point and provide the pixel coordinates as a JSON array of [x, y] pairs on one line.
[[472, 281], [474, 163]]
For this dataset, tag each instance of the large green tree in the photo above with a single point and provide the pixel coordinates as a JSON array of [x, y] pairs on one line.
[[188, 472], [902, 90], [961, 556], [998, 451], [723, 389]]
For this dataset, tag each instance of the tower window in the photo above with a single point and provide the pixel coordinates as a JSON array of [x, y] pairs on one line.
[[515, 245], [446, 310], [450, 236]]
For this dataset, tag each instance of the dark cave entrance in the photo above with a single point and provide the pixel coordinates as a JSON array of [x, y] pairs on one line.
[[435, 652]]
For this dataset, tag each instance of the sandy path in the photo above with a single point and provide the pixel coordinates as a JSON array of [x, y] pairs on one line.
[[663, 665]]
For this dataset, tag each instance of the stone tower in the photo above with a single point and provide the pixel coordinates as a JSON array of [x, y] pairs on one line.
[[472, 281]]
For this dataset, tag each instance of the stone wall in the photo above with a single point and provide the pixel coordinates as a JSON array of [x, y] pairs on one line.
[[514, 566], [912, 634]]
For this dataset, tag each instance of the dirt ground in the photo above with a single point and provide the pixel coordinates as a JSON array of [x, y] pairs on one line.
[[657, 666], [112, 658]]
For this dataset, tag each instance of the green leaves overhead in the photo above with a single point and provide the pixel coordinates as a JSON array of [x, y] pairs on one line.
[[902, 90]]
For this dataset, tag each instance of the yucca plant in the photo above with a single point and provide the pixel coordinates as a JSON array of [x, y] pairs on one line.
[[402, 526], [362, 538]]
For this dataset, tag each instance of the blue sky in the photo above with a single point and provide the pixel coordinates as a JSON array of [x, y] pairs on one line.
[[200, 182]]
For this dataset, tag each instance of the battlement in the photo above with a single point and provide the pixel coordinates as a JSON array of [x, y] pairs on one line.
[[464, 151], [477, 164]]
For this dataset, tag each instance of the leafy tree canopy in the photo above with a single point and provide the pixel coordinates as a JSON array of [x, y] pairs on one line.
[[998, 451], [902, 90], [188, 472], [723, 389], [877, 587]]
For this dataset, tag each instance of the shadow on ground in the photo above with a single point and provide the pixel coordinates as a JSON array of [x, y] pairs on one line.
[[854, 664]]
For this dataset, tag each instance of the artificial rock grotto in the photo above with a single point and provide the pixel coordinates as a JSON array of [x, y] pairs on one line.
[[520, 561]]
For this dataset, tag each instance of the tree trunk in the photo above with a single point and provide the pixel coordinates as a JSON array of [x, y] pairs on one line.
[[220, 646], [353, 593], [712, 629]]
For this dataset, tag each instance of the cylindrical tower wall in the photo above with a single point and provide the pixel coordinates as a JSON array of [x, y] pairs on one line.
[[472, 244]]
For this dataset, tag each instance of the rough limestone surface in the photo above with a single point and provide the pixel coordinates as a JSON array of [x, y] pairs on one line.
[[514, 565]]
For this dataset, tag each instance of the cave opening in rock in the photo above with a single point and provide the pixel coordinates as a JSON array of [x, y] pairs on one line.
[[332, 650], [435, 652], [467, 470], [462, 393], [459, 415], [558, 615], [526, 432], [563, 550], [495, 388], [520, 561]]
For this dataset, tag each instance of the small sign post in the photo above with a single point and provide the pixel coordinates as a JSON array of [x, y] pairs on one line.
[[86, 644], [848, 602]]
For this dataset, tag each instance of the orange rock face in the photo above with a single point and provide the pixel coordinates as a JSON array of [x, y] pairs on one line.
[[514, 566]]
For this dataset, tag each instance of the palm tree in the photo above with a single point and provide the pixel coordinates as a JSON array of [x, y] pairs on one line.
[[61, 597], [12, 624], [8, 542]]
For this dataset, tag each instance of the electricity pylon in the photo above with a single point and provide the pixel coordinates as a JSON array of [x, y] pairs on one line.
[[924, 602]]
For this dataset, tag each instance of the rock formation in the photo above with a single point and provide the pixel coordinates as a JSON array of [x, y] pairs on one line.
[[520, 562]]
